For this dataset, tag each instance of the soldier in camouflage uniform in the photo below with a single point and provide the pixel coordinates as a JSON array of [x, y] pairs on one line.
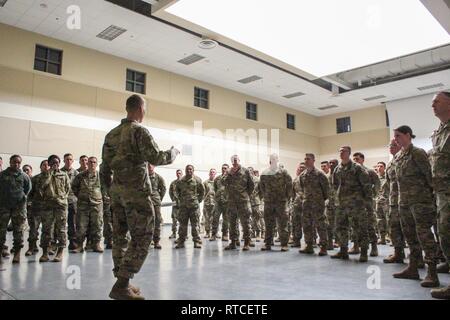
[[239, 185], [190, 191], [15, 186], [86, 187], [83, 163], [359, 158], [417, 213], [158, 193], [329, 206], [315, 188], [255, 203], [107, 216], [72, 200], [221, 201], [209, 204], [175, 208], [54, 189], [127, 150], [297, 207], [28, 170], [382, 207], [390, 191], [354, 189], [276, 190], [440, 164]]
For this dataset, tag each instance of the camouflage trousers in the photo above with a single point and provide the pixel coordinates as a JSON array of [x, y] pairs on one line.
[[221, 210], [158, 222], [133, 213], [314, 218], [54, 222], [72, 221], [443, 207], [34, 220], [417, 220], [395, 228], [276, 215], [239, 212], [371, 221], [107, 221], [330, 214], [257, 221], [18, 217], [352, 213], [186, 215], [174, 217], [382, 213], [208, 217], [89, 222], [297, 226]]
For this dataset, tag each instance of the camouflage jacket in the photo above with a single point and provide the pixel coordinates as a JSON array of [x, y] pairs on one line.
[[219, 189], [440, 158], [55, 188], [239, 185], [127, 150], [255, 197], [14, 188], [190, 191], [297, 194], [158, 188], [315, 186], [209, 192], [276, 186], [351, 182], [87, 188], [381, 195], [413, 173], [374, 181], [331, 203], [172, 194], [72, 173], [390, 188], [37, 199]]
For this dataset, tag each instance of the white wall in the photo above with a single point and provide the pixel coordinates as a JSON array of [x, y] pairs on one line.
[[415, 112]]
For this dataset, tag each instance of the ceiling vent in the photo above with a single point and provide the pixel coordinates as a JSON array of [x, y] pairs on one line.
[[375, 98], [207, 44], [191, 59], [293, 95], [111, 33], [250, 79], [432, 86], [328, 107]]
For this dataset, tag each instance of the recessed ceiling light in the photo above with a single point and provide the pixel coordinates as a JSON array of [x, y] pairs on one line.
[[207, 44]]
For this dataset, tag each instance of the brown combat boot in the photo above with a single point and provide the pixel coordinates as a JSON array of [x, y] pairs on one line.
[[246, 245], [442, 293], [44, 257], [397, 257], [354, 249], [5, 252], [410, 272], [213, 238], [307, 250], [173, 236], [31, 248], [16, 258], [197, 245], [252, 244], [382, 240], [78, 249], [266, 247], [109, 245], [125, 293], [374, 250], [363, 257], [296, 244], [431, 280], [59, 255], [156, 245], [180, 245], [323, 251], [284, 248], [342, 254], [231, 246], [443, 268], [97, 248], [225, 238]]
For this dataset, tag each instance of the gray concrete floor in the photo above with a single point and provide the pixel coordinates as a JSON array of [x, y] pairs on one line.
[[212, 273]]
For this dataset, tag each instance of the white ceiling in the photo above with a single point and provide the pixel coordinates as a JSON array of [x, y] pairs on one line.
[[157, 44]]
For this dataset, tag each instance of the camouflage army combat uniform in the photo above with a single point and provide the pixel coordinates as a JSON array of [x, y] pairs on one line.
[[190, 191], [37, 205], [370, 207], [276, 189], [353, 192], [382, 208], [14, 189], [86, 187], [72, 208], [258, 225], [127, 150], [330, 213], [208, 206], [158, 193], [417, 212], [315, 188], [175, 208], [239, 185], [221, 201], [297, 212], [440, 164]]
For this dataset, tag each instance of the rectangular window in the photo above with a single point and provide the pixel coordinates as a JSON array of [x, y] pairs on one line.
[[252, 111], [135, 81], [343, 125], [290, 121], [201, 98], [48, 60]]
